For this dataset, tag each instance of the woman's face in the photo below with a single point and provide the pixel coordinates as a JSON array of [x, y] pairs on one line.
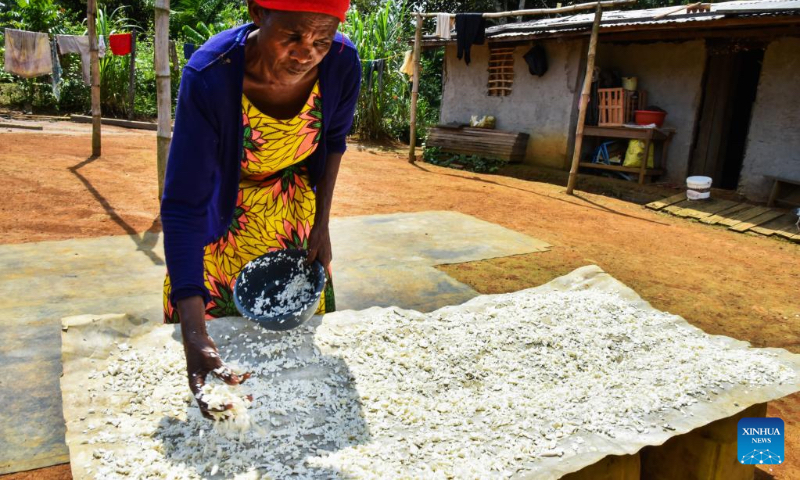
[[292, 43]]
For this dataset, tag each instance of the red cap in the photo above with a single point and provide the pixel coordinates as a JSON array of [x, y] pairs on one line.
[[334, 8]]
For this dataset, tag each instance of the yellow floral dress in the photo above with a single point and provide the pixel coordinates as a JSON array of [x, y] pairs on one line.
[[275, 207]]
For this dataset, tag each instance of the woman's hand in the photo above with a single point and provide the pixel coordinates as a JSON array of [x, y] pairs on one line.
[[202, 356], [319, 246]]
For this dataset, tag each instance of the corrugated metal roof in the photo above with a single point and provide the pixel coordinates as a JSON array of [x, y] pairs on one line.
[[643, 18], [779, 5]]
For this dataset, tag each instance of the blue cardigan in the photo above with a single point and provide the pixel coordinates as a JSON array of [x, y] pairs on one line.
[[202, 178]]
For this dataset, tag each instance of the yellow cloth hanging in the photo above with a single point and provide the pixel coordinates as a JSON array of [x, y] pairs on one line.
[[408, 64]]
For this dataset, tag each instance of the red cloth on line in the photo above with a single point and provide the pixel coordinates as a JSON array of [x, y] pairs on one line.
[[335, 8], [120, 43]]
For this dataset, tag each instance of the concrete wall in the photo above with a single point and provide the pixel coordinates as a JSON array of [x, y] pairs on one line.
[[540, 106], [672, 74], [773, 142]]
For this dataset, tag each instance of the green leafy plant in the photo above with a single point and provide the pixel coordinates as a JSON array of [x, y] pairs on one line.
[[216, 15], [383, 101], [34, 15], [473, 163], [114, 69], [44, 16], [202, 32]]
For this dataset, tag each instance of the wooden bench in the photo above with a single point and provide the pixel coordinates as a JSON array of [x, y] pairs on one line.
[[784, 191], [487, 143]]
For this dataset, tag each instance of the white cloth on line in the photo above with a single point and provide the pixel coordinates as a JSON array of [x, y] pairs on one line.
[[28, 54], [80, 44], [443, 25]]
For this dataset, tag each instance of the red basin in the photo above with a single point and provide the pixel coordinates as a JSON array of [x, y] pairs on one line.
[[646, 117]]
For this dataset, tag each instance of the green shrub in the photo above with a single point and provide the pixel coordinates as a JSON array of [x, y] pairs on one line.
[[473, 163], [114, 69]]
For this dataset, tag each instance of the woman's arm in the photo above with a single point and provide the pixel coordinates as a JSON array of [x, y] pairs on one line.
[[188, 189], [189, 186], [319, 241]]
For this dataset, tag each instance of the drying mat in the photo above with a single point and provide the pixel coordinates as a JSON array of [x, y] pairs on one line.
[[92, 410]]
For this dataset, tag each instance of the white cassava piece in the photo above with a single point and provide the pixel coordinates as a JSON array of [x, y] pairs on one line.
[[495, 388]]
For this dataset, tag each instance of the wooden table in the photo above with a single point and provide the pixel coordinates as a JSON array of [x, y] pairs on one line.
[[649, 135]]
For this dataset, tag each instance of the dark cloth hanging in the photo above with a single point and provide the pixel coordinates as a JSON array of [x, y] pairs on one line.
[[470, 30], [536, 58], [188, 50], [375, 66]]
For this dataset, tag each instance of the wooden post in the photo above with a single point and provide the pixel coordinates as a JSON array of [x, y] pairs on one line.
[[94, 62], [587, 86], [164, 134], [415, 90], [132, 77]]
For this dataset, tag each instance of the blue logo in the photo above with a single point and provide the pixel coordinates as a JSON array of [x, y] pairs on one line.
[[760, 441]]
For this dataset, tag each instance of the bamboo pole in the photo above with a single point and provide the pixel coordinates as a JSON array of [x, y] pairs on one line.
[[415, 90], [676, 10], [164, 133], [132, 77], [587, 86], [94, 68], [547, 11]]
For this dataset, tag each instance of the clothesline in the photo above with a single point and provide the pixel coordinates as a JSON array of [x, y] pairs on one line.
[[538, 11], [34, 54], [383, 58]]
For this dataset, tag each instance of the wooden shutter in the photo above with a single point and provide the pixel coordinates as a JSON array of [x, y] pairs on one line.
[[501, 70]]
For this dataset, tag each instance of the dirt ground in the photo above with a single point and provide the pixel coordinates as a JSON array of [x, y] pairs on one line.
[[726, 283]]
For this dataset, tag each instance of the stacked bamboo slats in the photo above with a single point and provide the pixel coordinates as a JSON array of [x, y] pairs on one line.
[[498, 144], [501, 71], [616, 105]]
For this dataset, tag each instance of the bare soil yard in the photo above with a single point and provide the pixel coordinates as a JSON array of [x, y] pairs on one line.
[[726, 283]]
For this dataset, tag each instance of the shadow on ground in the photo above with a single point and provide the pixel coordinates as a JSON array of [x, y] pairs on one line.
[[145, 242]]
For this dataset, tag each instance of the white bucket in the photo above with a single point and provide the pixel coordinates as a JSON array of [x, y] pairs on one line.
[[698, 188]]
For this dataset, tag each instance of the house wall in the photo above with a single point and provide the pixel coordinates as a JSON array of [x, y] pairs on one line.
[[540, 106], [773, 142], [672, 74]]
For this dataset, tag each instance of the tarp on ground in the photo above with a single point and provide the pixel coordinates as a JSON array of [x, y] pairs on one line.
[[89, 342]]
